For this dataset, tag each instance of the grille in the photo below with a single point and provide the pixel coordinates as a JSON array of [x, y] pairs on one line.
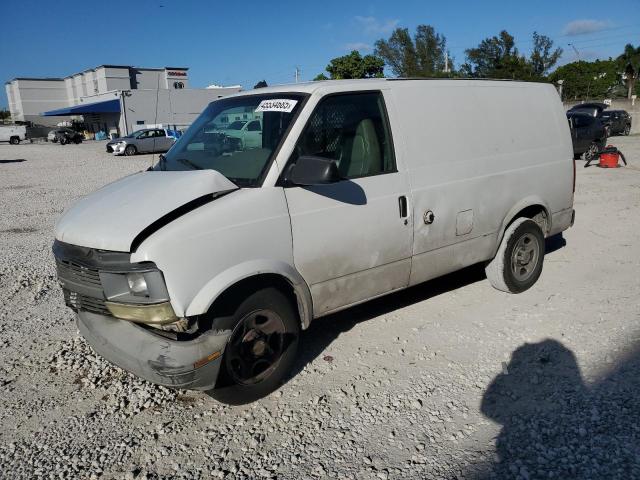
[[78, 273], [82, 302]]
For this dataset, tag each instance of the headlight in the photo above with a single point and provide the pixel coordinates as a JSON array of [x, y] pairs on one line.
[[139, 296], [158, 313], [137, 284]]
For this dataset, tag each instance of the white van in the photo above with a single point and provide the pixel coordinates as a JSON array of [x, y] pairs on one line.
[[202, 272], [13, 134]]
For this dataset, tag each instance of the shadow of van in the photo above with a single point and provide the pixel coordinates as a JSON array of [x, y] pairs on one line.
[[323, 331]]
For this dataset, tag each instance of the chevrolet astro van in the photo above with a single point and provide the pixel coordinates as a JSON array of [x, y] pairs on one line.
[[202, 272]]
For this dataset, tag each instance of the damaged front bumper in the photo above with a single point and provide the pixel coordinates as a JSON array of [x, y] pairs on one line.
[[192, 364]]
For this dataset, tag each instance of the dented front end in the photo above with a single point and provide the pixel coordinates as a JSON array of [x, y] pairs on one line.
[[124, 312], [190, 364]]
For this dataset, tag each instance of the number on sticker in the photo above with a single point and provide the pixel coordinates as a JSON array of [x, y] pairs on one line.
[[276, 105]]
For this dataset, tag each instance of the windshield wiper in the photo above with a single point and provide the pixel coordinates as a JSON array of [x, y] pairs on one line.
[[189, 163]]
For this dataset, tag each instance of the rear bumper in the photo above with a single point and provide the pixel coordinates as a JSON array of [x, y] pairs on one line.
[[156, 359]]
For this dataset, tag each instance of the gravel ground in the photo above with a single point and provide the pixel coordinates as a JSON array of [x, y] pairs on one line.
[[450, 379]]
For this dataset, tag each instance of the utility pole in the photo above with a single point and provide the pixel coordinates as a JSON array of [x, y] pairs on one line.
[[298, 72], [446, 62], [575, 50]]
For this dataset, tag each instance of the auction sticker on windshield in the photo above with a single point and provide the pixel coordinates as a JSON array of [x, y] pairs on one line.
[[276, 105]]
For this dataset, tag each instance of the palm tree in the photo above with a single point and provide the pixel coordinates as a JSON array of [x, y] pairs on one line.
[[630, 63]]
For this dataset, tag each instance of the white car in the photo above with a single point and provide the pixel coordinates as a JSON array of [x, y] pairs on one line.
[[202, 273]]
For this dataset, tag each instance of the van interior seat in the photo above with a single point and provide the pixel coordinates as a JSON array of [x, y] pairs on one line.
[[360, 151]]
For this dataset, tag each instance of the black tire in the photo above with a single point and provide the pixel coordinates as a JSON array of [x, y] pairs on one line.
[[592, 150], [63, 141], [520, 257], [627, 130], [268, 356], [130, 150], [14, 140]]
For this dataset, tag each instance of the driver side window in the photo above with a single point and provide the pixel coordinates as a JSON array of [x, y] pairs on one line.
[[353, 130]]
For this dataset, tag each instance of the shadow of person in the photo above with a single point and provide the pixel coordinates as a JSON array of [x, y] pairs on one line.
[[554, 426]]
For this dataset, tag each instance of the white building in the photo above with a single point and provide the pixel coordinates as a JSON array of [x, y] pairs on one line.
[[112, 98]]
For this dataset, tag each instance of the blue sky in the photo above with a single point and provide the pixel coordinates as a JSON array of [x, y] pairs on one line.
[[244, 42]]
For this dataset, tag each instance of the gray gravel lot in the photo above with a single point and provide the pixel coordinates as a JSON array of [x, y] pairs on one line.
[[450, 379]]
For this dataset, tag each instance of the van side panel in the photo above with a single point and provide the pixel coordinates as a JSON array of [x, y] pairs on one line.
[[475, 150]]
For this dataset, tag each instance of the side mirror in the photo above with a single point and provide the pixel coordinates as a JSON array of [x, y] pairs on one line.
[[310, 170]]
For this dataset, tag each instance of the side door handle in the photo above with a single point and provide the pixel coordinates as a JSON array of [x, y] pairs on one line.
[[404, 210]]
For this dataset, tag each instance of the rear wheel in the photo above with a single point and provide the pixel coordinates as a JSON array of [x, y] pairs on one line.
[[130, 150], [14, 140], [592, 151], [261, 350], [518, 262], [63, 141]]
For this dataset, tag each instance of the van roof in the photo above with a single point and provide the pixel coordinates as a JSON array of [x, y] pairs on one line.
[[310, 87]]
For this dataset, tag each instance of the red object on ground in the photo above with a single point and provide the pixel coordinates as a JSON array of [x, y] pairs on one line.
[[609, 160]]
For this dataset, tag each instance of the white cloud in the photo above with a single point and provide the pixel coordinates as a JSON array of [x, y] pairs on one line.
[[373, 26], [583, 27], [360, 46]]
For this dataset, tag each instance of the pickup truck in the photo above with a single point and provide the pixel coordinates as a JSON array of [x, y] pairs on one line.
[[13, 133]]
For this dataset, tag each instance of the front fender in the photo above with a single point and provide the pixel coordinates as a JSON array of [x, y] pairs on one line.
[[221, 282]]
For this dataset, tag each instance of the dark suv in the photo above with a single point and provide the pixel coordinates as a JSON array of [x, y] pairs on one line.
[[588, 134], [617, 122]]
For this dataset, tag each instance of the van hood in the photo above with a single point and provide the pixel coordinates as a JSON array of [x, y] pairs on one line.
[[112, 217]]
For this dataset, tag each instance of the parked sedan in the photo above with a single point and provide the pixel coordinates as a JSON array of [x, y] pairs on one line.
[[618, 122], [148, 140], [588, 134]]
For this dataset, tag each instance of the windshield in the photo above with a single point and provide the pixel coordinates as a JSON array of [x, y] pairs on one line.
[[135, 134], [236, 126], [216, 140]]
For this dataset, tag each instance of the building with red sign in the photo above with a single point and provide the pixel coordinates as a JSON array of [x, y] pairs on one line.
[[116, 99]]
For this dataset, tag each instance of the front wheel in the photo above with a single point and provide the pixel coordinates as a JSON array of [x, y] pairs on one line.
[[518, 262], [130, 150], [14, 140], [63, 141], [261, 349], [627, 129]]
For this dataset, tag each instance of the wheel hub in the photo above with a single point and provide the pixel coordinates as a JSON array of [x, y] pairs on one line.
[[525, 257], [255, 347]]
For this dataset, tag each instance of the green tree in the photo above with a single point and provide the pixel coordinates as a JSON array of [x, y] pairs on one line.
[[629, 63], [4, 114], [584, 80], [261, 84], [424, 55], [321, 76], [543, 58], [354, 65], [496, 57]]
